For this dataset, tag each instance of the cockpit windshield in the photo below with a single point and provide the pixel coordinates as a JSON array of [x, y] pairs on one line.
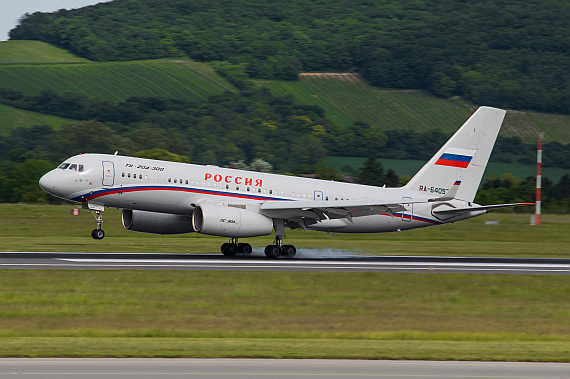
[[73, 167]]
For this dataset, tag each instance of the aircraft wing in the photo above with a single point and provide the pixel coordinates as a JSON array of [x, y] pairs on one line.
[[477, 208], [322, 210]]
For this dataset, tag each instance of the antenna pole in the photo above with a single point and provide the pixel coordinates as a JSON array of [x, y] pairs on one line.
[[538, 178]]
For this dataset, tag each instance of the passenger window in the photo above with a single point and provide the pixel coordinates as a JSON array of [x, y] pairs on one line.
[[180, 181], [327, 198], [259, 190], [304, 196], [247, 189], [175, 180], [169, 180], [227, 186], [129, 174], [265, 191], [186, 181], [146, 177], [281, 192], [140, 176], [123, 174], [73, 167], [270, 192], [80, 168], [237, 188], [63, 166]]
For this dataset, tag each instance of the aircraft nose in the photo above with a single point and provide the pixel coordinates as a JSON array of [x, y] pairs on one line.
[[48, 182]]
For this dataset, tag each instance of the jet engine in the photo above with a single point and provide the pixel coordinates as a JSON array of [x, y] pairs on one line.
[[156, 223], [230, 221]]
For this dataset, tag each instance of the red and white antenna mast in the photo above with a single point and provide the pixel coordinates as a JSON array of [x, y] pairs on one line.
[[538, 178]]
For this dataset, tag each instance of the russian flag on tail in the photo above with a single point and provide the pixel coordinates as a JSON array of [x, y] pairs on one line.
[[455, 158]]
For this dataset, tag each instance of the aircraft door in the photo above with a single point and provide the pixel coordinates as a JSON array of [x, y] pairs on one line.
[[408, 212], [318, 196], [108, 173]]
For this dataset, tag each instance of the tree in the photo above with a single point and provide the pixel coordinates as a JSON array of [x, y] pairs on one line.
[[391, 179], [371, 173]]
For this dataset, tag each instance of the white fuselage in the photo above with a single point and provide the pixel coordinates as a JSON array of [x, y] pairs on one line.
[[176, 188]]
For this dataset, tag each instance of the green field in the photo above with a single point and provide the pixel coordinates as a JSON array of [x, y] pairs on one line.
[[347, 98], [180, 79], [411, 166], [35, 51], [11, 118], [284, 314], [52, 228]]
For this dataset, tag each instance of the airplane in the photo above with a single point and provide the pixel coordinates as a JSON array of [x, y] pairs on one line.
[[170, 198]]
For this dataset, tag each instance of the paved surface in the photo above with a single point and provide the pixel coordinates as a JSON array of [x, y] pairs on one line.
[[272, 368], [95, 261]]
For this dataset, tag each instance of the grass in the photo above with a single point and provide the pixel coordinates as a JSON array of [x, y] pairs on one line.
[[347, 98], [284, 314], [411, 166], [52, 228], [169, 78], [131, 313], [289, 348], [11, 118], [35, 51]]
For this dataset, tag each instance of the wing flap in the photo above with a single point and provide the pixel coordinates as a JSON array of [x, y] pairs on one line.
[[478, 208]]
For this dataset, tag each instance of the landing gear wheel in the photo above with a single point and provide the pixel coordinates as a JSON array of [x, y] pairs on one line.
[[244, 248], [272, 251], [98, 234], [229, 249], [288, 251]]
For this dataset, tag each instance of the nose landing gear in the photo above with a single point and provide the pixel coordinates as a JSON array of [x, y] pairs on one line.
[[98, 233]]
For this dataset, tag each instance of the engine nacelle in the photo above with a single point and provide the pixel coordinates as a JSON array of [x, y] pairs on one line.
[[224, 221], [156, 223]]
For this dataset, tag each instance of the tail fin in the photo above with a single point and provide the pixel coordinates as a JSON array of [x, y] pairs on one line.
[[457, 168]]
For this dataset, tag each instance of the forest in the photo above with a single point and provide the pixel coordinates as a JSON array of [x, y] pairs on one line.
[[238, 128], [507, 53]]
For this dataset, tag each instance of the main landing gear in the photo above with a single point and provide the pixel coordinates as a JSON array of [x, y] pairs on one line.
[[98, 233], [279, 250], [233, 248]]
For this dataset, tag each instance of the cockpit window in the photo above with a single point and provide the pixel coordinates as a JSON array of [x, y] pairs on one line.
[[63, 166], [80, 168], [73, 167]]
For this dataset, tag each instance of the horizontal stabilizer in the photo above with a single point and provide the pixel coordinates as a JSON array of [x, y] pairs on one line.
[[478, 208]]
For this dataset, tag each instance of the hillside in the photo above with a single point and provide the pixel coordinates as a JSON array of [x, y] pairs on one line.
[[348, 98], [180, 79], [12, 118], [35, 51], [511, 53], [345, 97]]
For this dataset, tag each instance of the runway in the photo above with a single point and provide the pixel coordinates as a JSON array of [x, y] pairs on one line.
[[361, 263], [275, 368]]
